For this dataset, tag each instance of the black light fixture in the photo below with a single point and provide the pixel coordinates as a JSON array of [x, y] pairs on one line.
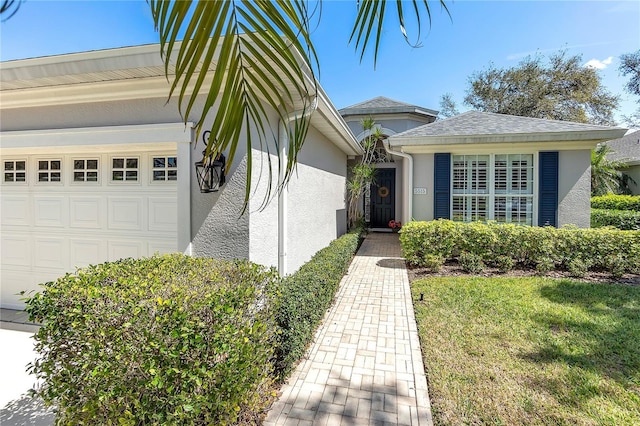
[[211, 169]]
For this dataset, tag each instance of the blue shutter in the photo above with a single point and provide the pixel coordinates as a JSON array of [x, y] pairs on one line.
[[442, 186], [548, 189]]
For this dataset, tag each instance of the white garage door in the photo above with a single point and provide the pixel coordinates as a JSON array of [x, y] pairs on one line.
[[68, 210]]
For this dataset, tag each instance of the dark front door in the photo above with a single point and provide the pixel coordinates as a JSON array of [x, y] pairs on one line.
[[383, 198]]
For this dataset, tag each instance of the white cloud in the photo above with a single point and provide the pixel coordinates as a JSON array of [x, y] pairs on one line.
[[598, 64]]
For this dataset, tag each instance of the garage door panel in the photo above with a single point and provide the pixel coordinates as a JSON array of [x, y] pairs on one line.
[[15, 210], [125, 213], [86, 212], [124, 249], [51, 211], [160, 248], [163, 214], [50, 229], [85, 252], [50, 252], [16, 250]]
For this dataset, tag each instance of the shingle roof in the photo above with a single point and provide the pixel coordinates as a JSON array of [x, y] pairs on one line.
[[486, 123], [626, 148], [382, 105]]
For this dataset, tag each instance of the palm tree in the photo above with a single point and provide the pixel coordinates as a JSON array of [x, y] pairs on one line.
[[605, 173], [245, 54]]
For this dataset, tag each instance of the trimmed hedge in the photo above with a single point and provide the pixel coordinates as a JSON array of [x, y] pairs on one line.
[[616, 202], [165, 340], [530, 247], [305, 297], [621, 219]]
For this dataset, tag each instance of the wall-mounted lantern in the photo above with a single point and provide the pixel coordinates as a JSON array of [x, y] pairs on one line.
[[210, 170]]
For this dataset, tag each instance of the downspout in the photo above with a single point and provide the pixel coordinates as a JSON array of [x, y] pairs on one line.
[[283, 198], [409, 187]]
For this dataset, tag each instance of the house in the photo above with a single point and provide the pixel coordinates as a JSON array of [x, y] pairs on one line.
[[627, 150], [97, 166], [480, 166]]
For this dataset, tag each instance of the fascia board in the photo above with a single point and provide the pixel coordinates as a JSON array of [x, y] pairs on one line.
[[344, 138], [598, 135], [88, 136], [501, 147]]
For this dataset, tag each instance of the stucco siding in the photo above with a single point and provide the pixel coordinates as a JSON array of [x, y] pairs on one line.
[[263, 224], [397, 125], [574, 188], [634, 173], [316, 207], [423, 178]]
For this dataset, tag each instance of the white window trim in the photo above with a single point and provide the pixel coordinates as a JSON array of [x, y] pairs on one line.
[[491, 194], [73, 169], [125, 156], [26, 171], [152, 169], [37, 171]]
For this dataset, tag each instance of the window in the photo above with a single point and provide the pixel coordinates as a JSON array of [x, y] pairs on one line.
[[470, 187], [498, 187], [85, 170], [49, 170], [124, 169], [165, 168], [15, 171]]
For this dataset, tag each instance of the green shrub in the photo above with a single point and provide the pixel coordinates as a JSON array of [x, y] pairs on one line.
[[621, 219], [533, 247], [616, 202], [504, 263], [433, 262], [419, 239], [616, 265], [471, 262], [165, 340], [305, 297], [578, 268]]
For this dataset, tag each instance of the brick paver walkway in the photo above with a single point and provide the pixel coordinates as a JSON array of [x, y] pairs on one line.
[[365, 366]]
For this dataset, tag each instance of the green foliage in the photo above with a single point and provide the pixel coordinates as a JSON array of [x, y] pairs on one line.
[[434, 262], [630, 65], [562, 89], [362, 173], [542, 248], [605, 173], [504, 263], [577, 267], [471, 262], [305, 297], [621, 219], [165, 340], [419, 239], [250, 60], [616, 202]]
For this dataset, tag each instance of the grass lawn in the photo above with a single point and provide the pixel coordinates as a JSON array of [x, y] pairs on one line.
[[530, 351]]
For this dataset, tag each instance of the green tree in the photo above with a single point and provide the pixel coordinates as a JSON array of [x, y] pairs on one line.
[[362, 173], [245, 54], [630, 65], [605, 174], [561, 89], [448, 107]]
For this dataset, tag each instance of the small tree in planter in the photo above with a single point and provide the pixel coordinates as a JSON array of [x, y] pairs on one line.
[[363, 173]]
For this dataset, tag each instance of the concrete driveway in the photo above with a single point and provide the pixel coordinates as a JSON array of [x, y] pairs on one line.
[[16, 406]]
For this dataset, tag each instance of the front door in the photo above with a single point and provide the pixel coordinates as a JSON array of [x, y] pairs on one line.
[[383, 205]]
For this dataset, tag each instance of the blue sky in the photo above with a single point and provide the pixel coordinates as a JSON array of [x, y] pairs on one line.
[[477, 34]]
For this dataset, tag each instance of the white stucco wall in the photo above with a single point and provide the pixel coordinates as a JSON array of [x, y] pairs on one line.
[[423, 178], [634, 173], [574, 188], [317, 203]]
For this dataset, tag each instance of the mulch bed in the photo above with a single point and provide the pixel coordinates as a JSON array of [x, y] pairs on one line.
[[453, 269]]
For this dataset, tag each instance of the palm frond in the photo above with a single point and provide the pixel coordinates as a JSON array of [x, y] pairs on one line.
[[371, 16], [250, 59]]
